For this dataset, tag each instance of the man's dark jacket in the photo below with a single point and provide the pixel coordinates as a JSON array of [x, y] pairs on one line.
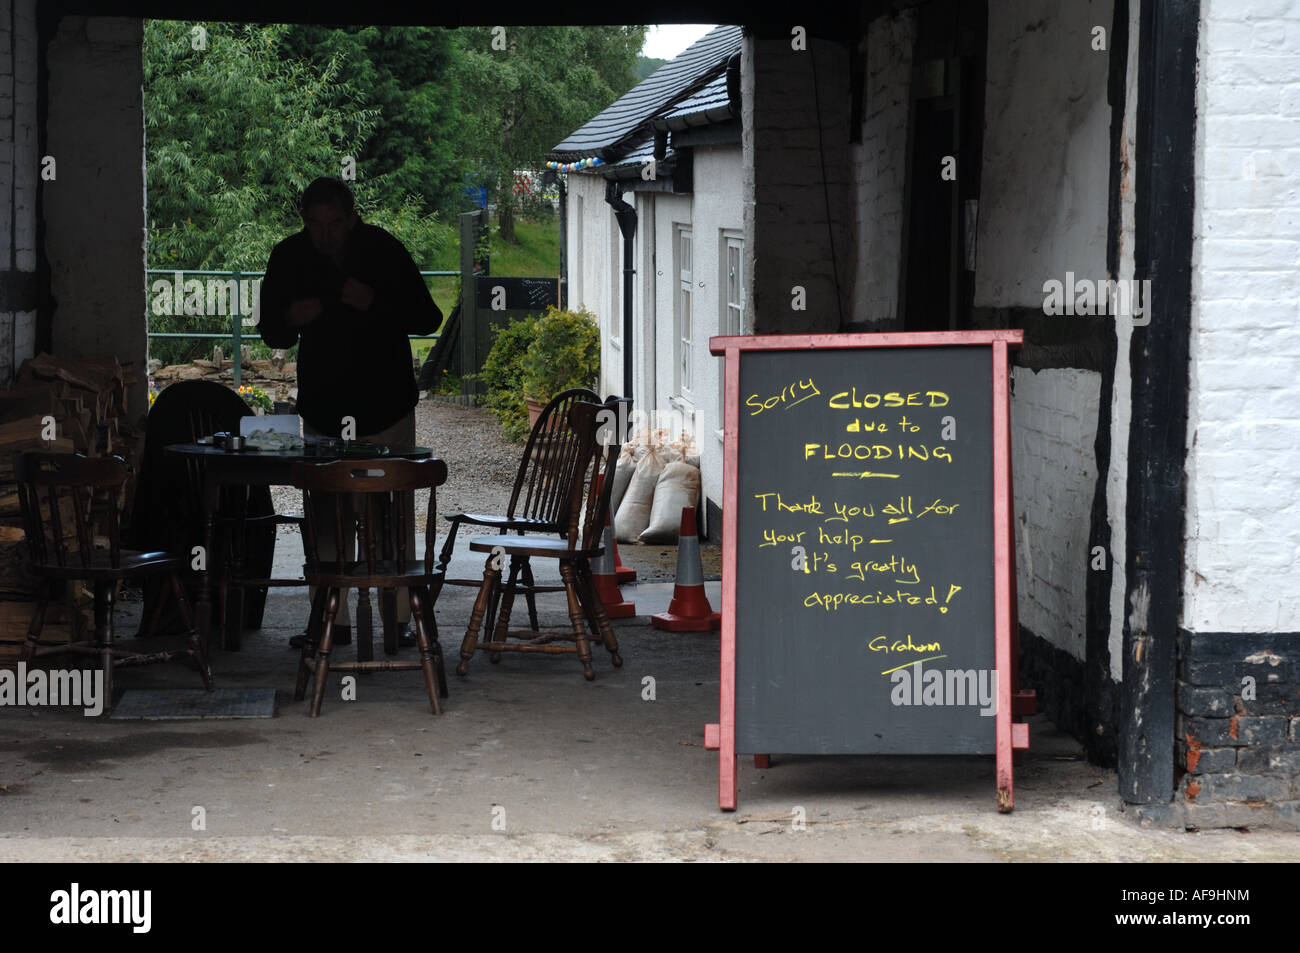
[[350, 363]]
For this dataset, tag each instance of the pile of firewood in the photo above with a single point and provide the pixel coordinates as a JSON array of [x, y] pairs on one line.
[[59, 405]]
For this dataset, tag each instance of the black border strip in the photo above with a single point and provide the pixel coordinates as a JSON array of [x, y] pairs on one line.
[[1166, 134]]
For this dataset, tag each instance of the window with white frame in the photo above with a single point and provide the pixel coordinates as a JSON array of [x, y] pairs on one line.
[[684, 350], [732, 306]]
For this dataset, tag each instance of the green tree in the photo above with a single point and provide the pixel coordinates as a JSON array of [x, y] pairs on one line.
[[405, 74], [234, 133], [525, 89]]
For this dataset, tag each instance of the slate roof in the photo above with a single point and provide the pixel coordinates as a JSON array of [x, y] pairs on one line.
[[627, 121], [708, 104]]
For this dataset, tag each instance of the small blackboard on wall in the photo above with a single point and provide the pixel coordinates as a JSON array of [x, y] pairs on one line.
[[866, 572]]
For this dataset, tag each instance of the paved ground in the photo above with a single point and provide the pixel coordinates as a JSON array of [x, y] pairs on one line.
[[529, 762]]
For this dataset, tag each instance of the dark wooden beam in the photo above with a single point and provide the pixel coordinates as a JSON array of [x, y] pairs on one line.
[[1159, 352]]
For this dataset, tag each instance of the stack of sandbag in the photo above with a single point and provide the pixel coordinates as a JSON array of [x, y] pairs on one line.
[[656, 476]]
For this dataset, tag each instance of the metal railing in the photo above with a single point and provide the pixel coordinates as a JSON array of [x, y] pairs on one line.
[[232, 280]]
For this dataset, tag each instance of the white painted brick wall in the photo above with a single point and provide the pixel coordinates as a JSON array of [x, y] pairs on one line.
[[880, 172], [1046, 168], [1046, 149], [1053, 415], [1243, 463]]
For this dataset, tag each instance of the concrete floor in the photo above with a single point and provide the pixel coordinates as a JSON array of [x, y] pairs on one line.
[[528, 762]]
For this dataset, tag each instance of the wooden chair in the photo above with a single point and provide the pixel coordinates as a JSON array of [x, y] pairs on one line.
[[590, 481], [373, 494], [54, 489], [540, 499], [168, 511]]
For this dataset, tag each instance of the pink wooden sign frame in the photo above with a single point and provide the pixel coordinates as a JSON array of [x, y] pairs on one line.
[[1010, 737]]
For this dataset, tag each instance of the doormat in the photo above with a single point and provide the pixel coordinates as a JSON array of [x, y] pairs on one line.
[[175, 704]]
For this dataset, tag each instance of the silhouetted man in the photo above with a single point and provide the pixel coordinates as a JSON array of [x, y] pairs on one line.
[[348, 294]]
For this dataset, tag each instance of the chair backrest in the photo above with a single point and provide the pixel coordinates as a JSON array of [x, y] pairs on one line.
[[373, 493], [592, 471], [542, 487], [168, 509], [57, 488]]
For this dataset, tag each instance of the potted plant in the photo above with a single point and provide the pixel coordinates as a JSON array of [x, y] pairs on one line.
[[564, 353], [503, 375], [257, 399]]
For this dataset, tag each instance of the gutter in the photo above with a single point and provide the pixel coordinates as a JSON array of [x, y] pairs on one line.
[[626, 216]]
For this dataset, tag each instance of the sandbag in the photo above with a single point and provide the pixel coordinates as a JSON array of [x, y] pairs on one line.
[[684, 449], [622, 476], [634, 511], [678, 486]]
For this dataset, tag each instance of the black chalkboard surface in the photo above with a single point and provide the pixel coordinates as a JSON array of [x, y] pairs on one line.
[[868, 595], [502, 293], [865, 552]]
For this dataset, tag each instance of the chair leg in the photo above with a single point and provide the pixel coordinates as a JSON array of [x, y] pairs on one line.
[[37, 624], [491, 579], [315, 625], [577, 618], [159, 603], [529, 595], [365, 628], [431, 627], [198, 649], [104, 637], [444, 557], [505, 606], [596, 613], [323, 652], [428, 663]]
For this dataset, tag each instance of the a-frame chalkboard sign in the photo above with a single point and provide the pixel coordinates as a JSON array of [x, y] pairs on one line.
[[868, 600]]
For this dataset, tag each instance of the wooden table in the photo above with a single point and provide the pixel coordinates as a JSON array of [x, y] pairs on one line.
[[261, 468]]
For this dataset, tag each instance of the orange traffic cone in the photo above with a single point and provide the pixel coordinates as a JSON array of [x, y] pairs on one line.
[[604, 577], [623, 573], [689, 610]]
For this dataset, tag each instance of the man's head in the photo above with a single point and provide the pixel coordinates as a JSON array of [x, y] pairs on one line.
[[329, 215]]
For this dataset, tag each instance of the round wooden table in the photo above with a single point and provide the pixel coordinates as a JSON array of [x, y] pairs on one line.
[[247, 467]]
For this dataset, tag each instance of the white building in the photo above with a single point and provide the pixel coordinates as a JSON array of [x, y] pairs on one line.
[[671, 150]]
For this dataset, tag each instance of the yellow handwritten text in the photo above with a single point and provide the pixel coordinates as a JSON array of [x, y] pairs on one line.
[[882, 644], [790, 396], [897, 565], [839, 539], [772, 538], [876, 451], [834, 601], [847, 399], [812, 506]]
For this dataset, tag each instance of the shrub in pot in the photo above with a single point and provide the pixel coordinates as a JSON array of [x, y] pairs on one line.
[[565, 353], [503, 375]]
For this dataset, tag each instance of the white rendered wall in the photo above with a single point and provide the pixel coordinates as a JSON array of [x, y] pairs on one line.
[[1045, 173], [1243, 462], [1044, 183], [717, 210]]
